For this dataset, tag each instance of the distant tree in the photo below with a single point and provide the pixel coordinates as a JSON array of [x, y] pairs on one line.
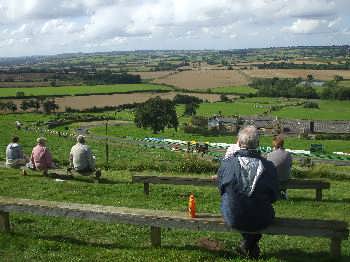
[[50, 106], [191, 109], [11, 106], [311, 104], [310, 78], [338, 78], [19, 94], [156, 113], [224, 98], [24, 105]]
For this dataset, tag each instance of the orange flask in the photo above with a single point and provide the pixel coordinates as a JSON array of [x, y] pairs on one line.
[[191, 206]]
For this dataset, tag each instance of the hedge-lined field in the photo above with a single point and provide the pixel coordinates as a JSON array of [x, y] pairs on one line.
[[81, 90], [234, 90]]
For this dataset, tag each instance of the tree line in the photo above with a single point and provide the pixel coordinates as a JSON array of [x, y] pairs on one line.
[[291, 88], [285, 65]]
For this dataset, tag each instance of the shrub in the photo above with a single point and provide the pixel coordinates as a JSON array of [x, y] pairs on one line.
[[310, 104]]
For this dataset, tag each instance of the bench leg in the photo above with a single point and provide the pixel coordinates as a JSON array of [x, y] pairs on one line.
[[318, 194], [4, 221], [156, 236], [146, 188], [335, 247]]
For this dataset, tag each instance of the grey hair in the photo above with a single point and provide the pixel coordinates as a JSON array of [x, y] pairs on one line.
[[248, 137], [41, 140], [81, 139]]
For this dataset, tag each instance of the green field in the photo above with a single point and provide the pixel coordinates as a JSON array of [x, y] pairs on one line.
[[244, 90], [81, 90], [344, 83], [329, 110]]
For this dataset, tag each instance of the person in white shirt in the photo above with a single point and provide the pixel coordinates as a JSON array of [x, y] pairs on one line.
[[81, 157]]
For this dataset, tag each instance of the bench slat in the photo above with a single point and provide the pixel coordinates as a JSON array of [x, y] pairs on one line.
[[169, 219]]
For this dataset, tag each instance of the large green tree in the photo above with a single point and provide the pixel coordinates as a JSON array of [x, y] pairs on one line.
[[156, 113]]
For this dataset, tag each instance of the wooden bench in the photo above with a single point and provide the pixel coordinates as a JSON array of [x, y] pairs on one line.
[[195, 181], [336, 231]]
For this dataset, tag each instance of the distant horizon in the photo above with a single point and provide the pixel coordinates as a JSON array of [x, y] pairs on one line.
[[164, 50], [42, 28]]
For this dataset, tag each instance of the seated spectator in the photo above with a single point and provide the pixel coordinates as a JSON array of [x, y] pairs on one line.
[[41, 158], [282, 161], [14, 154], [81, 157], [248, 186], [231, 150]]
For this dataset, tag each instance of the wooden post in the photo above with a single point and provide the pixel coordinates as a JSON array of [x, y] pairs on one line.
[[318, 194], [146, 188], [156, 236], [4, 221], [335, 247]]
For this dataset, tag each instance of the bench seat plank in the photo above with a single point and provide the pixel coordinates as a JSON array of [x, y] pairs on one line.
[[169, 219]]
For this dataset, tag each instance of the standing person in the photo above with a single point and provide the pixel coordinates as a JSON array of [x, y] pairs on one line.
[[81, 157], [248, 186], [14, 154], [41, 157], [282, 161]]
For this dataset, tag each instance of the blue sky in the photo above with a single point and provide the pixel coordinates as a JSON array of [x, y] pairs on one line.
[[40, 27]]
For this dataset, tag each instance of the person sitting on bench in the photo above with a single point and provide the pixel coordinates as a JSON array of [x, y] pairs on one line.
[[41, 158], [248, 186], [81, 158], [282, 161], [14, 154]]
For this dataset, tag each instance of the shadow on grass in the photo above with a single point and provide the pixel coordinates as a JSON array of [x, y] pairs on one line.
[[289, 255], [86, 179], [297, 255]]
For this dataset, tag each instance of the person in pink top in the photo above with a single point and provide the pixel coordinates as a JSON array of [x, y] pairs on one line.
[[41, 158]]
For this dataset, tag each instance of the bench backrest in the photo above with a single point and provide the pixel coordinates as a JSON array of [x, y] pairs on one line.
[[291, 184]]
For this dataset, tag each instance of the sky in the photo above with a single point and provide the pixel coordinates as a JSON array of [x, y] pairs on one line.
[[46, 27]]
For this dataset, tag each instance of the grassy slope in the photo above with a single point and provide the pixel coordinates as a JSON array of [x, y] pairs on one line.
[[73, 90]]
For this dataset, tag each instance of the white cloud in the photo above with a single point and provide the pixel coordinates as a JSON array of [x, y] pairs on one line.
[[309, 26], [79, 25]]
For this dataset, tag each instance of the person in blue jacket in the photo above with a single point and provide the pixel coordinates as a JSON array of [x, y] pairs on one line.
[[248, 185]]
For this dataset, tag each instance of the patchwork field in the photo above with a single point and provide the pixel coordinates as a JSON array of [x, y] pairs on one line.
[[81, 90], [204, 79], [234, 90], [84, 102], [152, 75], [294, 73]]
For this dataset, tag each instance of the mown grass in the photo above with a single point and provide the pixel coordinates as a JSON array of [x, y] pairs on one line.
[[81, 90], [37, 238]]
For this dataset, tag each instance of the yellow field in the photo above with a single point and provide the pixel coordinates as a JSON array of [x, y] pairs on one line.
[[204, 79]]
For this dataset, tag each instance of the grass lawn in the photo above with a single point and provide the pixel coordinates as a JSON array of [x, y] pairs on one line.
[[36, 238], [82, 90]]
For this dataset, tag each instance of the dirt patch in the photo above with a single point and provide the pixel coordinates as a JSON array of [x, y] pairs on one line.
[[295, 73], [204, 79]]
